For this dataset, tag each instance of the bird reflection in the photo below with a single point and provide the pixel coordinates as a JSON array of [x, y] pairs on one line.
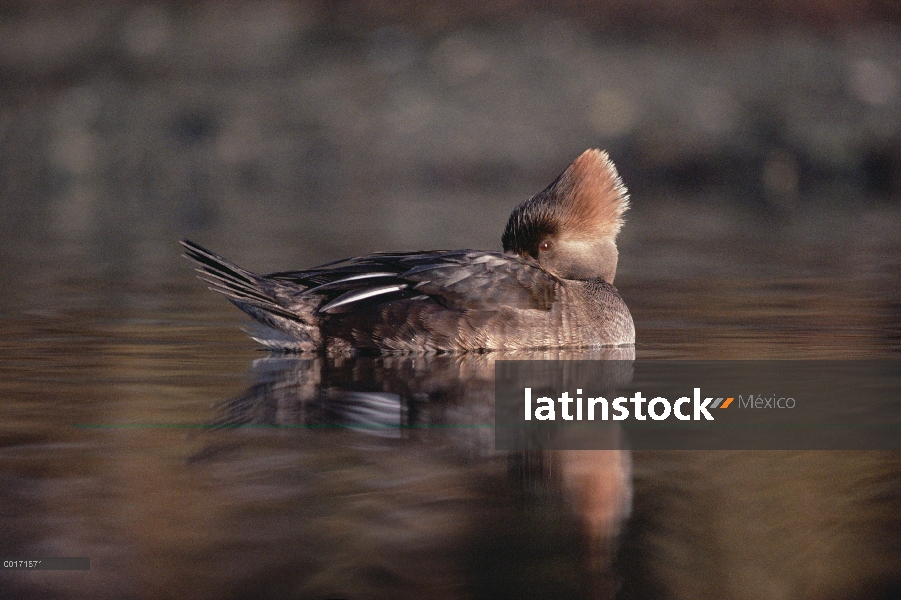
[[383, 395], [447, 400]]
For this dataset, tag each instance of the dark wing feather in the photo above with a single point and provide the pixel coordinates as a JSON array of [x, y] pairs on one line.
[[458, 279], [464, 279], [479, 280]]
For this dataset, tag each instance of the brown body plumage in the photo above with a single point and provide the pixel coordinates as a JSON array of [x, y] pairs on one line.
[[552, 287]]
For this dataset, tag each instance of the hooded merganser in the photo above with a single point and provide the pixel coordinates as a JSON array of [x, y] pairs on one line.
[[552, 287]]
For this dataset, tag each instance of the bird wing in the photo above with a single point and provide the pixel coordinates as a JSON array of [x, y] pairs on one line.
[[462, 279]]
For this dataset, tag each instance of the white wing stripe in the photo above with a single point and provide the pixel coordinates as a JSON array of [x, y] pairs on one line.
[[360, 295], [337, 282]]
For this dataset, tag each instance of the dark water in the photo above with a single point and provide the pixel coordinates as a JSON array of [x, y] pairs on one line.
[[121, 379]]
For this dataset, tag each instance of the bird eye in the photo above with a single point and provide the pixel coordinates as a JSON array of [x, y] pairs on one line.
[[545, 245]]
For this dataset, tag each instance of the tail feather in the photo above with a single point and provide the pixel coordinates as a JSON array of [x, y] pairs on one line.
[[223, 286], [239, 285], [217, 266]]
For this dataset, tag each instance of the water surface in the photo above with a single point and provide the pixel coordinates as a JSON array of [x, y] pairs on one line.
[[123, 381]]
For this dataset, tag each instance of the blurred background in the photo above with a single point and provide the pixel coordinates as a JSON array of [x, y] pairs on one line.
[[761, 144], [283, 133]]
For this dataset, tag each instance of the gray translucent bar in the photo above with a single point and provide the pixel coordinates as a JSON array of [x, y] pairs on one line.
[[754, 405], [44, 563]]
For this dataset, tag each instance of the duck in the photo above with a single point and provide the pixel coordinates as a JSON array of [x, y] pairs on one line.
[[551, 287]]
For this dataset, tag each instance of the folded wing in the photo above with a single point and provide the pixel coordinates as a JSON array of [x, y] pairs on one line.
[[461, 279]]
